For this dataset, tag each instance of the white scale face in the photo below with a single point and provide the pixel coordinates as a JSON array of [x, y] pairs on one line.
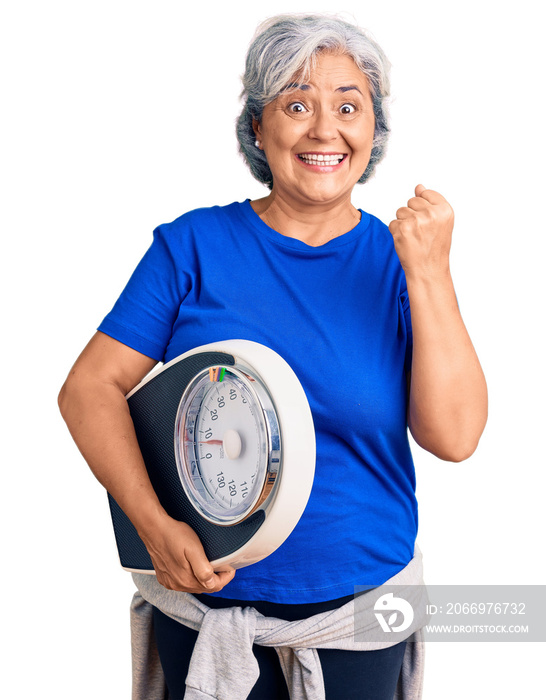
[[227, 443]]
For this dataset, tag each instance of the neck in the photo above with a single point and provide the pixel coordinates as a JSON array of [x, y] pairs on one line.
[[314, 225]]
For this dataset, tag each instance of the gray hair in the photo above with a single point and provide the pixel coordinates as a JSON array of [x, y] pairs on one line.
[[287, 45]]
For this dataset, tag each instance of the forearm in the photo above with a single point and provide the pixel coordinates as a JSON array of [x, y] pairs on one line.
[[99, 421], [98, 418], [447, 407]]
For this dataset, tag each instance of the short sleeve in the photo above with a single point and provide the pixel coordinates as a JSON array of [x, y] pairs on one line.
[[146, 310], [406, 319]]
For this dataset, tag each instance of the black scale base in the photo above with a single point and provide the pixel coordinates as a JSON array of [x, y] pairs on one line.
[[153, 410]]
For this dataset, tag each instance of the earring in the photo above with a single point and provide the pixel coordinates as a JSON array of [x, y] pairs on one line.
[[257, 144]]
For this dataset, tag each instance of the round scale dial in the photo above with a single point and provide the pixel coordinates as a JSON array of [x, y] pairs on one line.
[[227, 443]]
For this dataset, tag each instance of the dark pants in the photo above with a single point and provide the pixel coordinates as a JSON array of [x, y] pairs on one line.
[[348, 675]]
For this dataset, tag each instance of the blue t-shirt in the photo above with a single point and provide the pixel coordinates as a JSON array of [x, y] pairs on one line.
[[339, 315]]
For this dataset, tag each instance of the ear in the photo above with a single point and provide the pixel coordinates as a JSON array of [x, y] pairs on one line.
[[257, 128]]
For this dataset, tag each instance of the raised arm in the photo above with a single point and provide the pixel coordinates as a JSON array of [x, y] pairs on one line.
[[447, 408], [92, 402]]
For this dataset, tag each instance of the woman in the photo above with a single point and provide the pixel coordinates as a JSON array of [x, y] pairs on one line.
[[329, 287]]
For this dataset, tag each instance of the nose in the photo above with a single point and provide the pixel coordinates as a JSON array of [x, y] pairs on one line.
[[323, 126]]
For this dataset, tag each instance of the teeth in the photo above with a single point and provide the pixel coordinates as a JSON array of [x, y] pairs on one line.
[[316, 158]]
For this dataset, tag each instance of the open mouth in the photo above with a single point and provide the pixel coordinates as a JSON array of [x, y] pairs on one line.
[[322, 158]]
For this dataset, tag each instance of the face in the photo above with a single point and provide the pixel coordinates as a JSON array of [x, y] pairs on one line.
[[318, 138]]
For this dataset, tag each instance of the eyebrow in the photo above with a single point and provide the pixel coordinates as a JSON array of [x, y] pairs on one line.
[[347, 88], [296, 86], [344, 88]]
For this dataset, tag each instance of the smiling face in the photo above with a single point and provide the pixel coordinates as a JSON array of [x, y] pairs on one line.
[[318, 137]]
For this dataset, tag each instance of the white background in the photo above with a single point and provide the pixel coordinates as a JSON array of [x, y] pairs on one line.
[[120, 115]]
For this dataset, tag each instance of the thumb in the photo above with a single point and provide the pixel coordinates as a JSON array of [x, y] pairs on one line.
[[419, 190], [200, 565], [205, 575], [202, 570]]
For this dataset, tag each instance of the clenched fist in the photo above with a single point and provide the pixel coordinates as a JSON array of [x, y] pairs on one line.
[[422, 233]]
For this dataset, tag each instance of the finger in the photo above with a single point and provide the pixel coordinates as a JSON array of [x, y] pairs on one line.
[[430, 195], [418, 203], [204, 573], [200, 565], [225, 576], [220, 579], [405, 213], [400, 227], [419, 189]]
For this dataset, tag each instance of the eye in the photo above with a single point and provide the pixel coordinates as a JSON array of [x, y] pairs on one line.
[[296, 108], [347, 108]]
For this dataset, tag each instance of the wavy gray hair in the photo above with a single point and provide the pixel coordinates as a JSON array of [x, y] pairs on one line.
[[287, 45]]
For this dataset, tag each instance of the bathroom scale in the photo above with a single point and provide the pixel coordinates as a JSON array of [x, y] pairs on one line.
[[228, 441]]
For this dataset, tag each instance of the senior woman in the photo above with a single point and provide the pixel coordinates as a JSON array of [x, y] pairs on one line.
[[329, 287]]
